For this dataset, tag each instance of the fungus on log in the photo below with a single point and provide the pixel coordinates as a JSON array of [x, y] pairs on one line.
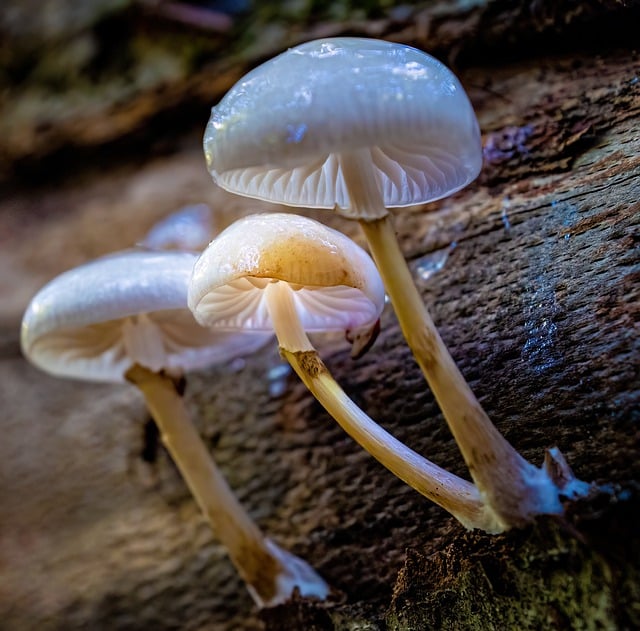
[[537, 301]]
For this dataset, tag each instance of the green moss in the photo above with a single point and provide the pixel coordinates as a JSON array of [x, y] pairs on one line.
[[548, 577]]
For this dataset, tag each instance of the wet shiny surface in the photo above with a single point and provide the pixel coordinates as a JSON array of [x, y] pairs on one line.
[[285, 119]]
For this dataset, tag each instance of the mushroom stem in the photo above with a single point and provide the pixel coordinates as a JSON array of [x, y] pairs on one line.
[[515, 489], [457, 496], [270, 572]]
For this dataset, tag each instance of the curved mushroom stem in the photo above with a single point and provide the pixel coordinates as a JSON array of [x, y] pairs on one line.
[[515, 489], [457, 496], [271, 573]]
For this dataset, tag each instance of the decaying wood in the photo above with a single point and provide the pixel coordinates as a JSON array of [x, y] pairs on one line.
[[532, 274]]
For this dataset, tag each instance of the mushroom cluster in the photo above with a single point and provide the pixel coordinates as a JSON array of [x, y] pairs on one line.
[[360, 125], [355, 125], [125, 318], [292, 275]]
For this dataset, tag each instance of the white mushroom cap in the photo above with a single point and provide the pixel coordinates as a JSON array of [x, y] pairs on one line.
[[188, 229], [278, 132], [335, 284], [95, 321]]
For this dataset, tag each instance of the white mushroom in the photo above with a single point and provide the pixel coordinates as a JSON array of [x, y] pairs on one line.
[[361, 125], [188, 229], [125, 318], [294, 275]]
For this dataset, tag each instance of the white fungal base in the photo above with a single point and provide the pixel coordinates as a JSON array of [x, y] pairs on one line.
[[296, 575]]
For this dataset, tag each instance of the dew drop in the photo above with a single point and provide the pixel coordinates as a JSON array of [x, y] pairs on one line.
[[277, 379], [433, 262]]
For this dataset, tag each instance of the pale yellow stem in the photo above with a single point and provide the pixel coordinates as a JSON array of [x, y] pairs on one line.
[[513, 488], [262, 565], [459, 497]]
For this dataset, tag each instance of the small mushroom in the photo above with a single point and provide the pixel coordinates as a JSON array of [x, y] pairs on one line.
[[125, 318], [188, 229], [361, 125], [292, 275]]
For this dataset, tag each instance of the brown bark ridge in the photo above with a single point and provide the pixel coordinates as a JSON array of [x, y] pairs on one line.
[[531, 274]]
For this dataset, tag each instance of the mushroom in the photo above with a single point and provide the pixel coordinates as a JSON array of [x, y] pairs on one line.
[[187, 229], [361, 125], [125, 318], [292, 275]]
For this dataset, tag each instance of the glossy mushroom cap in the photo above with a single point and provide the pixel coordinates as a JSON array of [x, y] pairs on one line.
[[278, 132], [335, 284], [95, 321]]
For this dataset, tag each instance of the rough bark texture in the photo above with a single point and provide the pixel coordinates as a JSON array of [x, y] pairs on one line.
[[531, 273]]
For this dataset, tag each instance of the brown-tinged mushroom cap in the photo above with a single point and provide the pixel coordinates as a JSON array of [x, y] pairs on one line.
[[334, 283]]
